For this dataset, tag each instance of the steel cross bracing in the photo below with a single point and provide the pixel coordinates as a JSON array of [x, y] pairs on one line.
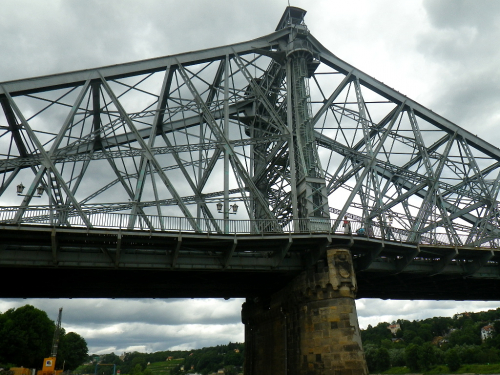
[[278, 125]]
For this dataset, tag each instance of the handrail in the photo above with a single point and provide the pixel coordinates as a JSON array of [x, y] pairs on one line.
[[60, 218]]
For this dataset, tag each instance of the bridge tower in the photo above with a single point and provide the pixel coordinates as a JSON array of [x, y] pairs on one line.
[[295, 61], [310, 326]]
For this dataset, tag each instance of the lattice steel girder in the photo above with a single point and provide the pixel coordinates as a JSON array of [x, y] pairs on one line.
[[389, 93], [291, 127], [76, 78]]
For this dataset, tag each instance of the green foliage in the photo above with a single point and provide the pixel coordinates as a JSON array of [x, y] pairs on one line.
[[72, 351], [427, 356], [374, 335], [397, 357], [164, 367], [435, 345], [398, 370], [452, 360], [26, 339], [206, 360], [412, 357], [137, 369], [212, 359], [25, 336], [377, 359]]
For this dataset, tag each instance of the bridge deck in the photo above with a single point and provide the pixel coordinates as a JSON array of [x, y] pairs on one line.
[[110, 263]]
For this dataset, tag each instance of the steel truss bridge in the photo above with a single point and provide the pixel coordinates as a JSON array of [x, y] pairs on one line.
[[125, 165]]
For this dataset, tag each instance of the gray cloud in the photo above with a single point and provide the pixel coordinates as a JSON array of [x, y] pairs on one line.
[[461, 40], [441, 53], [480, 14], [48, 37], [99, 312], [147, 325], [144, 324]]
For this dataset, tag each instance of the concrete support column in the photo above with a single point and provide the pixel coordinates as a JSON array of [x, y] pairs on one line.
[[308, 328]]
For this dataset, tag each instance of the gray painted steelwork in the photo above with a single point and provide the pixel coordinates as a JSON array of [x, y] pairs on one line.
[[278, 125]]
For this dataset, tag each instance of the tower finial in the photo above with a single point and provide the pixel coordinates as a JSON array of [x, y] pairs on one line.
[[291, 16]]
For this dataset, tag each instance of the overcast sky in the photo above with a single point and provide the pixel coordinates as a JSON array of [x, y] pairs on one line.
[[442, 53]]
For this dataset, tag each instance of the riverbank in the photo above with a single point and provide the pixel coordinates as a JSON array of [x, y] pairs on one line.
[[493, 368]]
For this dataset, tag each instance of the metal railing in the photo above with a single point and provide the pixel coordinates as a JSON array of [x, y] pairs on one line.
[[62, 218]]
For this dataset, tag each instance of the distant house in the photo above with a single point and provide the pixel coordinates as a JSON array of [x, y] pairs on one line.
[[443, 341], [439, 341], [394, 328], [236, 350], [170, 358], [487, 332]]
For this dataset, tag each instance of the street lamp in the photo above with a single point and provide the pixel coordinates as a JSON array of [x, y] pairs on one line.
[[234, 208], [39, 191]]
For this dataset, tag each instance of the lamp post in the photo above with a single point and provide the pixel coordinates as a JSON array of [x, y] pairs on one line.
[[227, 212], [20, 189], [234, 207]]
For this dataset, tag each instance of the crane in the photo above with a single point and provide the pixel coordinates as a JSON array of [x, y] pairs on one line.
[[49, 363]]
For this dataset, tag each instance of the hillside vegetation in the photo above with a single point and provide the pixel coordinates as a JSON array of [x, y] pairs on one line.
[[434, 345], [204, 361]]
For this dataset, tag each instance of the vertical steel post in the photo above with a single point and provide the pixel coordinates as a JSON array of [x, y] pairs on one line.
[[226, 154]]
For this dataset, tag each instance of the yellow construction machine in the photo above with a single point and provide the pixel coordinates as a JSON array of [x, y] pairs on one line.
[[49, 363]]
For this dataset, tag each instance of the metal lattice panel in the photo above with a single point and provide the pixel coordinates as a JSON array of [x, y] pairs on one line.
[[279, 125]]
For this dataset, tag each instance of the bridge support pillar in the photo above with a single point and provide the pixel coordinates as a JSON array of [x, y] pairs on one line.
[[308, 328]]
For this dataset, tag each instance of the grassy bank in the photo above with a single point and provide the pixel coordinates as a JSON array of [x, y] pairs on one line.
[[163, 368], [465, 369]]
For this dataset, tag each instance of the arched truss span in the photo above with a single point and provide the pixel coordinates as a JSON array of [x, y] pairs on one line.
[[278, 125]]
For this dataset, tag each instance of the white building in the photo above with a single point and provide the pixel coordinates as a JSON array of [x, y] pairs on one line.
[[487, 332]]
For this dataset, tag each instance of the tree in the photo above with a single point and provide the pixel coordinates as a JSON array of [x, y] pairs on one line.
[[453, 360], [233, 358], [409, 335], [383, 360], [377, 359], [470, 334], [72, 351], [412, 354], [25, 336], [397, 357], [427, 356], [425, 332], [371, 357], [137, 370]]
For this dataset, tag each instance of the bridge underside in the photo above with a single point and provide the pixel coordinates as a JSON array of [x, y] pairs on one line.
[[420, 287], [95, 283], [77, 263], [99, 283]]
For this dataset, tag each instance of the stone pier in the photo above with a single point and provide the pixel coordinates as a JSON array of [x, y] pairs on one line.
[[308, 328]]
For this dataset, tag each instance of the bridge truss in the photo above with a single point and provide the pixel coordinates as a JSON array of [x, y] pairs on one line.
[[279, 126]]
